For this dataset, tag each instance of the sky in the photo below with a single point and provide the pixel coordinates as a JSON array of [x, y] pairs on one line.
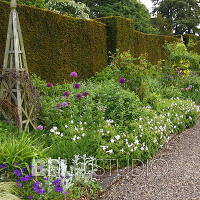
[[147, 3]]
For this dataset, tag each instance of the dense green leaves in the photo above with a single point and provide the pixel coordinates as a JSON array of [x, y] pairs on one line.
[[183, 15], [125, 8]]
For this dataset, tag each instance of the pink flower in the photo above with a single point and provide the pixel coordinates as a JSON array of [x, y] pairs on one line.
[[73, 74], [40, 127], [85, 94], [49, 85], [66, 94], [76, 85], [122, 80]]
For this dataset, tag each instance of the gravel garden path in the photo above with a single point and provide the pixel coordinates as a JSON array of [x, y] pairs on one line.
[[173, 174]]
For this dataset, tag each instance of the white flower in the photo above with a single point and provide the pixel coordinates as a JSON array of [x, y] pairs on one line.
[[190, 118], [122, 150], [61, 134], [112, 140], [57, 133], [136, 141], [71, 121], [75, 128], [142, 149], [146, 148], [83, 134], [140, 126], [74, 138], [101, 130], [81, 123], [66, 126], [78, 138], [108, 132], [135, 148], [81, 128], [54, 128], [85, 122], [104, 147], [117, 137], [110, 151]]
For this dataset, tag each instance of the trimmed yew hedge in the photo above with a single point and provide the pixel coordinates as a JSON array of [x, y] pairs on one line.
[[56, 45], [122, 36]]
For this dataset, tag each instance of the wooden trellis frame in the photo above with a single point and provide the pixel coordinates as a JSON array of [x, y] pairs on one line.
[[13, 90]]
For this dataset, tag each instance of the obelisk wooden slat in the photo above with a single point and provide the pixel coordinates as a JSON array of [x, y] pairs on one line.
[[12, 90]]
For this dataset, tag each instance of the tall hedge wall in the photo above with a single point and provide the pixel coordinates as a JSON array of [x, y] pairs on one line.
[[122, 36], [56, 45]]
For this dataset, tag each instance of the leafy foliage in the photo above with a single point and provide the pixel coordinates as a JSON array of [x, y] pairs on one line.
[[182, 15]]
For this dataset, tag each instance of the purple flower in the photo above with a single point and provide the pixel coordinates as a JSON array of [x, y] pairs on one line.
[[56, 182], [65, 193], [24, 169], [79, 96], [49, 85], [66, 94], [190, 87], [19, 185], [76, 85], [85, 94], [15, 164], [45, 179], [40, 168], [40, 127], [62, 105], [17, 172], [122, 80], [2, 166], [25, 178], [30, 197], [73, 74], [37, 188], [58, 189]]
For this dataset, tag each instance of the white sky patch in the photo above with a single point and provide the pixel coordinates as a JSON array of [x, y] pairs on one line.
[[148, 4]]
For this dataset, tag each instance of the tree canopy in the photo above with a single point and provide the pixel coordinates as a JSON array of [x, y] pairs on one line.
[[182, 15], [125, 8]]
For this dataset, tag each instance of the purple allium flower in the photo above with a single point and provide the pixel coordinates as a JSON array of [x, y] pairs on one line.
[[45, 179], [19, 185], [74, 74], [76, 85], [85, 94], [40, 127], [2, 166], [66, 94], [49, 85], [17, 172], [58, 189], [122, 80], [30, 197], [79, 96]]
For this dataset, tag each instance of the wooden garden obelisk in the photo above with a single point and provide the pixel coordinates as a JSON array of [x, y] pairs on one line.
[[12, 90]]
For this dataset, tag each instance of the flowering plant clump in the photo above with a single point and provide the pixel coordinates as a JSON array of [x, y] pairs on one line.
[[74, 74]]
